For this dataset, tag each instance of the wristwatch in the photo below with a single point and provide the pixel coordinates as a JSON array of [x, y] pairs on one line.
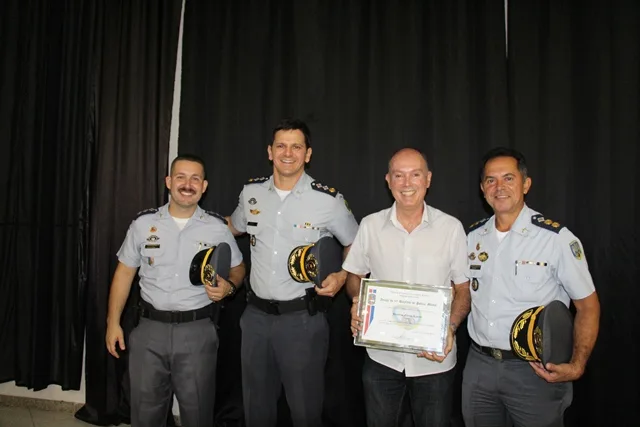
[[233, 288]]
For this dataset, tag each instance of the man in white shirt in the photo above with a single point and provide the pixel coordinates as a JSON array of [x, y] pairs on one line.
[[410, 242]]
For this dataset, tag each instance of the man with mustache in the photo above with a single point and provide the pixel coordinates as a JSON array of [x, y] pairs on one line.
[[518, 259], [173, 350], [417, 243], [285, 335]]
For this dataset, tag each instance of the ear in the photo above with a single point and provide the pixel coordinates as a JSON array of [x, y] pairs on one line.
[[429, 174], [527, 185], [167, 182], [205, 184], [307, 157], [270, 152]]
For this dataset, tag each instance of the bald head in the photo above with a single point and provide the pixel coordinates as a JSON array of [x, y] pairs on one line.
[[408, 154]]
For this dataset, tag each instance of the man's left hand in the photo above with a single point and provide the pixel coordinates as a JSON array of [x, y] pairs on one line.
[[557, 373], [440, 357], [216, 293], [332, 284]]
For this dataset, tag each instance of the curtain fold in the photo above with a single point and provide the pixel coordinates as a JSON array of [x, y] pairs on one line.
[[45, 170]]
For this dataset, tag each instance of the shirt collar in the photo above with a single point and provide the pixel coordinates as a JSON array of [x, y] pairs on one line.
[[392, 217], [301, 186]]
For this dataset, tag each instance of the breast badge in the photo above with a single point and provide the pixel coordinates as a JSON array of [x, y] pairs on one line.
[[483, 256], [474, 284], [254, 211], [252, 240], [472, 256], [252, 201]]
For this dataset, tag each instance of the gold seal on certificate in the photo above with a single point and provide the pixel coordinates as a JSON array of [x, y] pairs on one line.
[[404, 317]]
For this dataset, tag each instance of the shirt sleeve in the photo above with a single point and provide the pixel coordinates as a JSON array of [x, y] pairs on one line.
[[236, 255], [458, 254], [238, 218], [129, 252], [357, 261], [573, 270], [343, 224]]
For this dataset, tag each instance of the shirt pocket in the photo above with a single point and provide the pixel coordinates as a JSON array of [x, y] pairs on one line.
[[530, 277], [433, 270], [154, 262], [305, 235]]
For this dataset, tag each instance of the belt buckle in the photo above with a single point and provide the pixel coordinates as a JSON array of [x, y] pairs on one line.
[[496, 353], [274, 307], [175, 317]]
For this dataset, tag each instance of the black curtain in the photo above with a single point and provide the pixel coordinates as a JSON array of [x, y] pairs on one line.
[[574, 74], [45, 146], [135, 58], [369, 77]]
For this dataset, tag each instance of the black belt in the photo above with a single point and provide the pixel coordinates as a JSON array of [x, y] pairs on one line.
[[149, 312], [277, 307], [496, 353]]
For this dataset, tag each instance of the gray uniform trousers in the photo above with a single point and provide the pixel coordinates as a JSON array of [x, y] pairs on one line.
[[179, 358], [497, 393], [290, 350]]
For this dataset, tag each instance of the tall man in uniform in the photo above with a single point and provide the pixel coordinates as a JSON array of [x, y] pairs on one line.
[[284, 340], [520, 259], [173, 349], [414, 242]]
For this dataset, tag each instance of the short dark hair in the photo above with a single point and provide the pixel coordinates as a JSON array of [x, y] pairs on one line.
[[505, 152], [189, 158], [293, 124]]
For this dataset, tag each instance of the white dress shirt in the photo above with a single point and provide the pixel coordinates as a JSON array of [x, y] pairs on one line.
[[433, 253]]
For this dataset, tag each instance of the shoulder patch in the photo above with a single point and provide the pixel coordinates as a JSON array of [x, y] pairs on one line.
[[477, 225], [318, 186], [146, 212], [217, 215], [256, 180], [546, 223]]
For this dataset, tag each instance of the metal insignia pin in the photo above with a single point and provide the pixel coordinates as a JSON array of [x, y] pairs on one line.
[[472, 256], [252, 240], [483, 256], [478, 246], [474, 284], [153, 229], [252, 201]]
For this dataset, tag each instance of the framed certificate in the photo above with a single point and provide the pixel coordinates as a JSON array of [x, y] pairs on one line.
[[404, 317]]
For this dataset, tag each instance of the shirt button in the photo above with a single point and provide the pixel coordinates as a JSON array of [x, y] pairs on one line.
[[273, 272], [493, 301], [275, 252], [176, 274], [491, 324], [408, 258], [278, 213]]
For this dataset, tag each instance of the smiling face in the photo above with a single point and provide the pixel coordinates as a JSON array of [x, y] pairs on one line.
[[186, 184], [504, 186], [289, 153], [408, 179]]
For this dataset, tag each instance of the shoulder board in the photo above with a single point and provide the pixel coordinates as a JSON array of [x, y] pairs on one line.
[[257, 180], [217, 215], [477, 225], [146, 212], [546, 223], [318, 186]]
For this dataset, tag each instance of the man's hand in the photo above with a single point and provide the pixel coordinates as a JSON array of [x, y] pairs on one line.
[[223, 289], [558, 373], [332, 284], [356, 321], [437, 357], [115, 335]]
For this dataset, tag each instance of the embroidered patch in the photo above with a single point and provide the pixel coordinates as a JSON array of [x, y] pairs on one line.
[[576, 250]]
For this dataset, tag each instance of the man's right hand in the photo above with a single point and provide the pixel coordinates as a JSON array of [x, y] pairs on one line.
[[115, 335], [356, 321]]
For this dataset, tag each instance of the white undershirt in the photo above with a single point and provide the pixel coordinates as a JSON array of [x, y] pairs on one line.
[[282, 193], [501, 234], [181, 222]]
